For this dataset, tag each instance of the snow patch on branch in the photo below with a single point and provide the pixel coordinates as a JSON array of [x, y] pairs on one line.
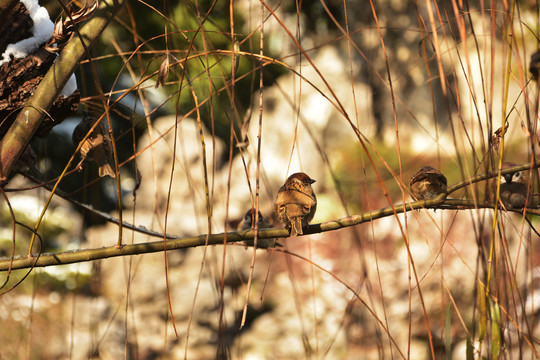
[[41, 32], [70, 87]]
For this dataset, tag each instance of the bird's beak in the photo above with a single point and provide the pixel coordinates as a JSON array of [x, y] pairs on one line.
[[508, 177], [311, 181]]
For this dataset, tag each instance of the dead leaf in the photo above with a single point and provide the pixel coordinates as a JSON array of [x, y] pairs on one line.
[[138, 181], [163, 72], [498, 135], [236, 49], [524, 129], [63, 29]]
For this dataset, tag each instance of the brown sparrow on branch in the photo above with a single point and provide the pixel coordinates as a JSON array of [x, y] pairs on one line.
[[96, 147], [296, 203], [427, 183], [513, 191], [248, 223]]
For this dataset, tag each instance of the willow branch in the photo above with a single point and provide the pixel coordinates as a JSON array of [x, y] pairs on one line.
[[482, 177], [175, 242]]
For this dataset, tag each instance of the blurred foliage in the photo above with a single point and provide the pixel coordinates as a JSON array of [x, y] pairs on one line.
[[198, 66], [315, 16], [354, 173], [25, 209], [133, 47], [60, 279]]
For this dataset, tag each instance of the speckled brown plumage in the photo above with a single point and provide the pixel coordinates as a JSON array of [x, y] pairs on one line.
[[296, 203], [513, 192], [96, 147], [428, 183]]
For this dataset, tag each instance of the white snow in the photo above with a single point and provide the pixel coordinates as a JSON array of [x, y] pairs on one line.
[[70, 87], [41, 32]]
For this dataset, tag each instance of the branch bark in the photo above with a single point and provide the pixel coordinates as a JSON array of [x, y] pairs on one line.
[[5, 8], [175, 243]]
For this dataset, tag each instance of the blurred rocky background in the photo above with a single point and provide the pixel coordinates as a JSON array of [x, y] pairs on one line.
[[374, 291]]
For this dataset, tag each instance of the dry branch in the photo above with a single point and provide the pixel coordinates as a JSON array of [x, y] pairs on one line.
[[175, 243]]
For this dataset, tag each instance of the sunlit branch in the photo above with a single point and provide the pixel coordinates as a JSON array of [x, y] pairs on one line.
[[175, 242]]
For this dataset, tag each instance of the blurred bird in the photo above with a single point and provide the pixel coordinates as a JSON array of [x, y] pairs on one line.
[[428, 183], [96, 147], [248, 223], [534, 65], [513, 191], [249, 218], [296, 203], [26, 165]]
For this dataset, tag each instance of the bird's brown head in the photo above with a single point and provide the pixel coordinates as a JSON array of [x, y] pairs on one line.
[[82, 128], [300, 177], [249, 217], [428, 171], [518, 176]]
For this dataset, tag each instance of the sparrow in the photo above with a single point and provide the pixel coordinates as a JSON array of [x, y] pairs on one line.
[[428, 183], [248, 222], [26, 165], [96, 147], [534, 66], [513, 192], [296, 203]]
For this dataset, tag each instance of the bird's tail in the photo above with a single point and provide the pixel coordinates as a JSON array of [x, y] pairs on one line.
[[296, 226], [106, 169]]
